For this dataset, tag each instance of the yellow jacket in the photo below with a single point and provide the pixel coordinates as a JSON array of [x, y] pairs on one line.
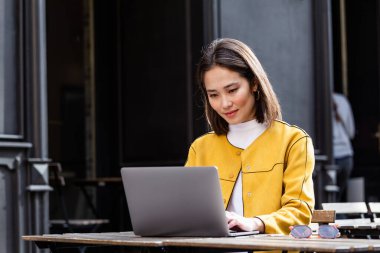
[[276, 173]]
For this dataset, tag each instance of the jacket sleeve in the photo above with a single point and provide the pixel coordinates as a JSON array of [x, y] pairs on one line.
[[191, 157], [297, 200]]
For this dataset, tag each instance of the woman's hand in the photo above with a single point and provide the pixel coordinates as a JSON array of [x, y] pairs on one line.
[[240, 223]]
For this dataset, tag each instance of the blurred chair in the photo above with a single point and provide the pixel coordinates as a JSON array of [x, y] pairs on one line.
[[323, 216], [349, 213], [356, 189], [374, 209], [66, 224]]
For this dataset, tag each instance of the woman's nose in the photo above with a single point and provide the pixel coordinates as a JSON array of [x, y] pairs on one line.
[[226, 102]]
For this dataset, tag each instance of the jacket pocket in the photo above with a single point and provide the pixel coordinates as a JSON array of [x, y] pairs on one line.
[[226, 186], [262, 166]]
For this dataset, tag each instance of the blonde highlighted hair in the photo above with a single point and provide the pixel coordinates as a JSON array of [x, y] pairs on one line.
[[237, 56]]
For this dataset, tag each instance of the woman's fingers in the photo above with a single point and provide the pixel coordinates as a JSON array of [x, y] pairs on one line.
[[232, 223]]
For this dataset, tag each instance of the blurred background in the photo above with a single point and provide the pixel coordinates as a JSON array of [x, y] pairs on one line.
[[90, 86]]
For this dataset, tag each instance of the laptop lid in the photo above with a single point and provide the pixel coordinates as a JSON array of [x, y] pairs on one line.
[[175, 201]]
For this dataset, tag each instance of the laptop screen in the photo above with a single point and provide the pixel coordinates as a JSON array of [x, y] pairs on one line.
[[175, 201]]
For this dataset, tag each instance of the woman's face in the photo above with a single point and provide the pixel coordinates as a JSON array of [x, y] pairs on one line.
[[230, 95]]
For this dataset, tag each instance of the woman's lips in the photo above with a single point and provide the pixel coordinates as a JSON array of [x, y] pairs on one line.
[[231, 113]]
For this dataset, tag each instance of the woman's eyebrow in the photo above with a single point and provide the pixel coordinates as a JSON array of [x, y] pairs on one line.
[[231, 84], [225, 87]]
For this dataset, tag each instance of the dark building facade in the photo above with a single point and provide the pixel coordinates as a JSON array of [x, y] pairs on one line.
[[97, 85]]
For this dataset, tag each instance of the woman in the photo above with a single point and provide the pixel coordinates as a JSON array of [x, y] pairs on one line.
[[265, 165]]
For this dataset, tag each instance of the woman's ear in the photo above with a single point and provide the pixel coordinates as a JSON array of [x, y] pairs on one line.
[[255, 85]]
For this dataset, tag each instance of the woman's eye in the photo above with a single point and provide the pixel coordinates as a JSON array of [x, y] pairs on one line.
[[232, 91], [212, 95]]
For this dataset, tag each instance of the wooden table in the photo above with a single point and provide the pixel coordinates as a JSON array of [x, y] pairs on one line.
[[100, 182], [196, 244]]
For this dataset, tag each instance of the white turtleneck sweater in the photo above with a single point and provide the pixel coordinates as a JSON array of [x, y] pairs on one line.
[[241, 136]]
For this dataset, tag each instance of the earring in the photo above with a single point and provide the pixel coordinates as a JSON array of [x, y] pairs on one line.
[[257, 95]]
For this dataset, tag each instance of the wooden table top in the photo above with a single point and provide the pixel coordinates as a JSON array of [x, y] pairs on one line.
[[99, 181], [253, 242]]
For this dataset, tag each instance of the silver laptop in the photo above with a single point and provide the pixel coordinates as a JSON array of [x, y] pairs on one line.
[[176, 201]]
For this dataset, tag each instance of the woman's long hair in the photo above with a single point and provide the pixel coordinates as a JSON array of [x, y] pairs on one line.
[[236, 56]]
